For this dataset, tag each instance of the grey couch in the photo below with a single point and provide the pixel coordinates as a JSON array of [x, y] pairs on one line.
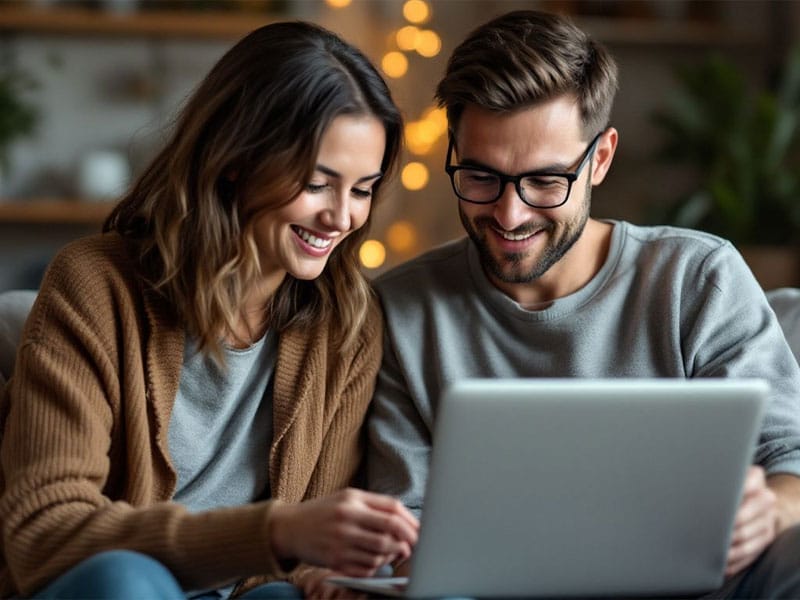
[[15, 304], [14, 308]]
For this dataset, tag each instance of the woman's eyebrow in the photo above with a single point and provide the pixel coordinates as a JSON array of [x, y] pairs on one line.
[[332, 173]]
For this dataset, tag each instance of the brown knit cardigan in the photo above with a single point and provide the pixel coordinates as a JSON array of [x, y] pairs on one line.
[[84, 456]]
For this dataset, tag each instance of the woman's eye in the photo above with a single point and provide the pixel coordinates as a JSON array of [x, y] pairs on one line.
[[316, 188], [359, 193]]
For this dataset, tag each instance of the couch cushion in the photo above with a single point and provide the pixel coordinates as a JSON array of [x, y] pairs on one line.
[[786, 304], [14, 308]]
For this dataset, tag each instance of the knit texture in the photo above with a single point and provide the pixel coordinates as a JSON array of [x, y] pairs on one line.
[[84, 455]]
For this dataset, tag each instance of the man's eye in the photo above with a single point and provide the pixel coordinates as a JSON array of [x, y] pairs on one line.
[[477, 177], [544, 182]]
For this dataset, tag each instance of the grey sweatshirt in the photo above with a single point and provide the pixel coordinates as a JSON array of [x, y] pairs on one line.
[[667, 302]]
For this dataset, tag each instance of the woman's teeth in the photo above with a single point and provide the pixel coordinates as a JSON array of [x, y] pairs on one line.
[[313, 240]]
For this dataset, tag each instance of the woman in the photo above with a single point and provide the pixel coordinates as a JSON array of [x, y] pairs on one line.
[[191, 383]]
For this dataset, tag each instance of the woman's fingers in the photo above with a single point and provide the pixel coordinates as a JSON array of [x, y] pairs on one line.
[[352, 531], [384, 545], [391, 505], [389, 523]]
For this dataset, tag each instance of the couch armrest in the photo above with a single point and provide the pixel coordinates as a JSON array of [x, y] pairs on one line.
[[14, 308]]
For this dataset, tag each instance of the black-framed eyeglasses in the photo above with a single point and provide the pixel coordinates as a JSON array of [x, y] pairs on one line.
[[538, 189]]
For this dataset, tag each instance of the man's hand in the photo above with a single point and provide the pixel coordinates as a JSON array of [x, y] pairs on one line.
[[352, 531], [756, 522]]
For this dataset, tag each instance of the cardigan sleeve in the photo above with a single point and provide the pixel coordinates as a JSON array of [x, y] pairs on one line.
[[343, 446], [81, 473]]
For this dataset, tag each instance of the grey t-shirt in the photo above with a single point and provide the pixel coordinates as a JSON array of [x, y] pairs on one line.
[[667, 302], [221, 426]]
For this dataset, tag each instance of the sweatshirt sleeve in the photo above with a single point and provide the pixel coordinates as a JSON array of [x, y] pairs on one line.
[[735, 334]]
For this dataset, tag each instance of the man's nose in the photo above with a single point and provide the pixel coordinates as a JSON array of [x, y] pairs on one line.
[[509, 210]]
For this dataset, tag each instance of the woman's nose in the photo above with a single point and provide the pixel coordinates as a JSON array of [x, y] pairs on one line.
[[337, 214]]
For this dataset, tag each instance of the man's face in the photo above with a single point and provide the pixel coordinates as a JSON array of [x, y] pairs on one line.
[[519, 244]]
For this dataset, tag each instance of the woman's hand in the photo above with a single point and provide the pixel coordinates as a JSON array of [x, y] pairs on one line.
[[315, 587], [352, 531]]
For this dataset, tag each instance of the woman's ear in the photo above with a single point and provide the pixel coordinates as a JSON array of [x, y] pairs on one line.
[[604, 154]]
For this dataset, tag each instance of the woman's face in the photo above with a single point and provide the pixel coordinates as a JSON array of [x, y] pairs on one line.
[[298, 238]]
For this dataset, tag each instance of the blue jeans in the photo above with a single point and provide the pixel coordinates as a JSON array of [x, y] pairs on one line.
[[126, 575]]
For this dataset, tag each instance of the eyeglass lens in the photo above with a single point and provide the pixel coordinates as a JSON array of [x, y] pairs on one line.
[[480, 186]]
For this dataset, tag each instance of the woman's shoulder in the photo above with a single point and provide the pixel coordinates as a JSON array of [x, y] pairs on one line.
[[93, 277], [95, 258]]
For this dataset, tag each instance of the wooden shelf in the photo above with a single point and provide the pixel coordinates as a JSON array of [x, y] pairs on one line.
[[654, 32], [50, 212], [158, 23], [175, 23]]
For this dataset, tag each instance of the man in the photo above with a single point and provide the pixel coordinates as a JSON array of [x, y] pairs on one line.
[[540, 289]]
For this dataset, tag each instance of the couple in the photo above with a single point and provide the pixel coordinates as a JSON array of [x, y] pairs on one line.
[[185, 415]]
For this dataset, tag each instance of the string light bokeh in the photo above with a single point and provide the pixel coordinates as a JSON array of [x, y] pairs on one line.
[[413, 36]]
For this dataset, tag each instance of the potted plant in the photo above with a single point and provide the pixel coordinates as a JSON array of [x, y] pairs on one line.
[[18, 117], [744, 148]]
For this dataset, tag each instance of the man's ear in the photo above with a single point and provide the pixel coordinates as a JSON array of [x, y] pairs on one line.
[[604, 154]]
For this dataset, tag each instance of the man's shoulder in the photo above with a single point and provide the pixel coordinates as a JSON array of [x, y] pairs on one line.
[[684, 257], [426, 269], [680, 237]]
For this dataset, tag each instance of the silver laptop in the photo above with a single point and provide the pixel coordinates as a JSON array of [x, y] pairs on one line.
[[553, 487]]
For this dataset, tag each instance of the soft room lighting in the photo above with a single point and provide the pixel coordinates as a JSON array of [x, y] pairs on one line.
[[416, 11], [414, 176], [406, 38], [428, 43], [420, 136], [338, 3], [394, 64], [402, 237], [372, 254], [437, 116]]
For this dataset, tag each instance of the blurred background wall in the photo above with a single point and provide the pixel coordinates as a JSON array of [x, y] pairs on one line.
[[100, 82]]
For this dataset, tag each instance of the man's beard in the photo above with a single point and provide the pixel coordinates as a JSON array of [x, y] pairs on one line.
[[511, 267]]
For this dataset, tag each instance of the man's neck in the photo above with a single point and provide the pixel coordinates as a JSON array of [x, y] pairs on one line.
[[575, 269]]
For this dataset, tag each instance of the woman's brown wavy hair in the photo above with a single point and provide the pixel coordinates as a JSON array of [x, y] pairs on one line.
[[246, 143]]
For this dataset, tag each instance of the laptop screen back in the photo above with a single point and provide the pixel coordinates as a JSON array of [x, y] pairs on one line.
[[584, 487]]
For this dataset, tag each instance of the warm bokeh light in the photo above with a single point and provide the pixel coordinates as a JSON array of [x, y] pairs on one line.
[[428, 43], [406, 38], [437, 116], [416, 144], [401, 236], [414, 176], [372, 254], [338, 3], [394, 64], [416, 11], [421, 136]]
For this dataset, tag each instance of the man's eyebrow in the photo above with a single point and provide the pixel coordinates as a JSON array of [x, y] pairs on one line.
[[551, 168], [332, 173]]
